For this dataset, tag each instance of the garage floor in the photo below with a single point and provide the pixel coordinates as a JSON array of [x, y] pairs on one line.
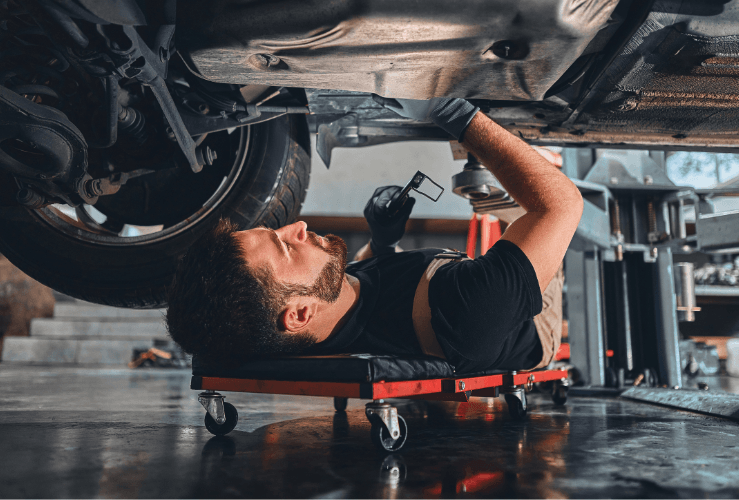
[[88, 432]]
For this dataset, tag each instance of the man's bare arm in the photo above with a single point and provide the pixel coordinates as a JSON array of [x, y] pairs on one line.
[[552, 202]]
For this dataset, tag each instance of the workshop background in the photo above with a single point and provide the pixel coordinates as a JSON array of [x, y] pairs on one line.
[[97, 402]]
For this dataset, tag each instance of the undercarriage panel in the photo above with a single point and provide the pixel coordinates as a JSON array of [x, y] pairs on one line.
[[488, 49]]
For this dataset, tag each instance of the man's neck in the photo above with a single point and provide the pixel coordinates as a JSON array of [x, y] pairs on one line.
[[332, 317]]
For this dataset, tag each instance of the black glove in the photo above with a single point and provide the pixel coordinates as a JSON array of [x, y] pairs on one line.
[[451, 114], [386, 230]]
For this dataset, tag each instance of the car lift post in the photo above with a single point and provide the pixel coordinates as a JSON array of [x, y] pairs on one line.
[[621, 286]]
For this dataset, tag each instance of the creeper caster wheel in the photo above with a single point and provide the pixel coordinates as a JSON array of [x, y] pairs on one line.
[[559, 394], [232, 418], [382, 439], [516, 405], [340, 403]]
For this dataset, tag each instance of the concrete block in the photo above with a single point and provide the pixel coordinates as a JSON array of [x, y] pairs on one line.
[[110, 352], [86, 310], [72, 351], [27, 349], [68, 327]]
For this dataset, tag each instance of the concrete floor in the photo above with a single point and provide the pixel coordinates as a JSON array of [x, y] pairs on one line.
[[90, 432]]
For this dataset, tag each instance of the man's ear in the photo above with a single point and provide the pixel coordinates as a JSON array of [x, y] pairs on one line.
[[298, 313]]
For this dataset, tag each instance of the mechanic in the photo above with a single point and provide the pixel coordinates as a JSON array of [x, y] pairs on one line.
[[240, 295]]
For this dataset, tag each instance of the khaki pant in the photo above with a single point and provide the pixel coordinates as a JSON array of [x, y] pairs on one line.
[[549, 321]]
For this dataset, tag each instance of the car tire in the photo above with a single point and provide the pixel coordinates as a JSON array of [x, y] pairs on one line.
[[269, 190]]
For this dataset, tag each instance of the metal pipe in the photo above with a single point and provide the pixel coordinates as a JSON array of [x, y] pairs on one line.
[[297, 110], [667, 327], [111, 118], [685, 288]]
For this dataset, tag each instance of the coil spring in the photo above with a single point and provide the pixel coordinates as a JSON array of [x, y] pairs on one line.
[[616, 218], [37, 67], [652, 215]]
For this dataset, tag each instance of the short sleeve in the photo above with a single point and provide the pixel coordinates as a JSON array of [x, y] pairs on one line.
[[480, 306]]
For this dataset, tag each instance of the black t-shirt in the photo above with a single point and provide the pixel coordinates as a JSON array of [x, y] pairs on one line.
[[481, 309]]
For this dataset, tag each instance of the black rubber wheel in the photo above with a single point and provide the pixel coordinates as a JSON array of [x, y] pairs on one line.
[[232, 418], [515, 407], [268, 188], [381, 436], [340, 404], [559, 394]]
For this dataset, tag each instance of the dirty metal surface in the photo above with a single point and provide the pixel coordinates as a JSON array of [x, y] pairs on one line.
[[677, 77], [84, 432], [492, 49]]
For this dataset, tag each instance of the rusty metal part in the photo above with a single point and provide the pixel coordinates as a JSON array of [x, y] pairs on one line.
[[110, 185], [492, 49], [673, 82]]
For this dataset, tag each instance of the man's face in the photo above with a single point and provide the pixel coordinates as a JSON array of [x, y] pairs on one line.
[[298, 257]]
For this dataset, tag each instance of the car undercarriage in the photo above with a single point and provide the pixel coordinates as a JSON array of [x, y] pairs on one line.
[[168, 114]]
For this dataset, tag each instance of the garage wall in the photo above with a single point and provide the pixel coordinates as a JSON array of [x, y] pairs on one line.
[[344, 189]]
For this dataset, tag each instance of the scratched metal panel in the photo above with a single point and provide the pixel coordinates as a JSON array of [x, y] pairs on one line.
[[721, 404], [396, 48]]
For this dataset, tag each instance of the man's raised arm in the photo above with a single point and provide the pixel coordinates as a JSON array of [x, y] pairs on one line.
[[552, 202]]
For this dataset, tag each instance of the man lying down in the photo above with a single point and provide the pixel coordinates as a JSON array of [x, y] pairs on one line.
[[240, 295]]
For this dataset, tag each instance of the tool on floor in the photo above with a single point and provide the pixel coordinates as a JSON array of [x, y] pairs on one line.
[[167, 355], [152, 355]]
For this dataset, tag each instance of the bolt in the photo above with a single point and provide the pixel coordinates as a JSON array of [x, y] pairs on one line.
[[508, 49], [94, 188], [29, 198], [264, 61], [461, 385], [170, 134], [203, 108], [209, 155], [648, 180], [702, 386], [623, 105]]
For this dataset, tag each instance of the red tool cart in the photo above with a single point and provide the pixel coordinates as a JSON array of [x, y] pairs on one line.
[[364, 376]]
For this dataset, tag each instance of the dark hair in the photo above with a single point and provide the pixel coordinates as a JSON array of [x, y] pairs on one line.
[[224, 311]]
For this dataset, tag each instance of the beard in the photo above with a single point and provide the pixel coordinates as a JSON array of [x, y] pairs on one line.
[[327, 286]]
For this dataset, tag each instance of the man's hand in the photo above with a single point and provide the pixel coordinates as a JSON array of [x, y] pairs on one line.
[[451, 114], [386, 230]]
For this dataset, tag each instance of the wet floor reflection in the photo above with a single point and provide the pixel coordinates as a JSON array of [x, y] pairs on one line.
[[458, 450], [589, 448]]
